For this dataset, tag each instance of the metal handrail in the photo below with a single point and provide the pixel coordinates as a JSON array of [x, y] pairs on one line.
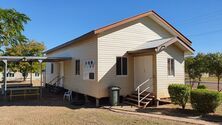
[[139, 93], [59, 78], [53, 79], [142, 84]]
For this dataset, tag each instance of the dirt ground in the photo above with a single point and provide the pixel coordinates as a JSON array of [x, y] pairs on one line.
[[46, 115], [52, 110]]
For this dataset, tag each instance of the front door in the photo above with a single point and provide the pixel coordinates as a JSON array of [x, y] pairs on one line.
[[143, 70]]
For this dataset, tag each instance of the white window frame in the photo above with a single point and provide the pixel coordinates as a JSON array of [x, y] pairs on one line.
[[79, 67], [170, 71], [122, 75], [9, 75], [52, 68], [37, 73]]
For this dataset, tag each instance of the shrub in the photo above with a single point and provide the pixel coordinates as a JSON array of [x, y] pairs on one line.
[[205, 101], [201, 87], [179, 94]]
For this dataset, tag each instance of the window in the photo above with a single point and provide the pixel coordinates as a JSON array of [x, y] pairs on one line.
[[36, 74], [121, 66], [91, 75], [77, 67], [170, 67], [10, 74], [52, 68]]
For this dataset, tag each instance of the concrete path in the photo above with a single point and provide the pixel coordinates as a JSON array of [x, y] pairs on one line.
[[125, 109]]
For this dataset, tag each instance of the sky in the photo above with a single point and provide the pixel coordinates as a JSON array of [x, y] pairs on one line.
[[57, 21]]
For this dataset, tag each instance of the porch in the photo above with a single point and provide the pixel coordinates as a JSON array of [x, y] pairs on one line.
[[156, 64], [27, 89]]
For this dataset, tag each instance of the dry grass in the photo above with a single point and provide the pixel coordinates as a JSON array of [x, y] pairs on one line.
[[52, 110], [49, 115], [175, 110]]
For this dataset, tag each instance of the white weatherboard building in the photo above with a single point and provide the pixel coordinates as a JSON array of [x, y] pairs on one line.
[[143, 51], [17, 76]]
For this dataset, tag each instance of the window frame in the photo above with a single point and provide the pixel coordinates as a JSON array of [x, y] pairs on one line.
[[10, 75], [77, 69], [37, 75], [52, 68], [170, 67], [122, 66]]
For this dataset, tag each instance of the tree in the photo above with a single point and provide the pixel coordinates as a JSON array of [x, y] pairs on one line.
[[195, 67], [189, 68], [214, 65], [199, 66], [11, 27], [31, 48]]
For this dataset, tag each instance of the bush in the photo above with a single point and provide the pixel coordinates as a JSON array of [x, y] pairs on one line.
[[201, 87], [205, 101], [179, 94]]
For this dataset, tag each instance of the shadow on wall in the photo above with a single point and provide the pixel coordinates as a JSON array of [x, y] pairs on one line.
[[147, 22], [126, 83], [176, 52]]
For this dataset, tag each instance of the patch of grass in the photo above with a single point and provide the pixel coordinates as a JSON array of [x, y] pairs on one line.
[[45, 115], [209, 79], [175, 110], [206, 79]]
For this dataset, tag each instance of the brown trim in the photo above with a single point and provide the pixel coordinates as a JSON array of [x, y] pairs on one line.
[[83, 37], [127, 20], [176, 39], [150, 50], [171, 26], [155, 76], [116, 24]]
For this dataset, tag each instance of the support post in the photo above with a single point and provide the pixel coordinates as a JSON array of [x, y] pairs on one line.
[[97, 102], [31, 73], [86, 99], [5, 76], [40, 61], [157, 101]]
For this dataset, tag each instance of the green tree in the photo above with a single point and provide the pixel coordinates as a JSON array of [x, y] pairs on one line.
[[189, 68], [195, 67], [11, 27], [31, 48], [199, 66], [214, 65]]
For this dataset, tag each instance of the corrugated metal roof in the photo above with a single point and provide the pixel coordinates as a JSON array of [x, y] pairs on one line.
[[152, 44]]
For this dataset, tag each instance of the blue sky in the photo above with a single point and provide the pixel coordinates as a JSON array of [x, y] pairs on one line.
[[57, 21]]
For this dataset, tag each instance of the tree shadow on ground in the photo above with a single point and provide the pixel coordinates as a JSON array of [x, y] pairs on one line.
[[186, 113], [47, 99]]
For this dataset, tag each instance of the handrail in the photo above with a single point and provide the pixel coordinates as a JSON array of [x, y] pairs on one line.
[[59, 78], [142, 83], [53, 80], [139, 93], [144, 90]]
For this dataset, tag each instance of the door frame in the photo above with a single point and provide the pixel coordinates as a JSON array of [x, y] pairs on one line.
[[151, 59]]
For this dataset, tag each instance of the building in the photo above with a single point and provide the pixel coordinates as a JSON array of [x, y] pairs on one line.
[[144, 50]]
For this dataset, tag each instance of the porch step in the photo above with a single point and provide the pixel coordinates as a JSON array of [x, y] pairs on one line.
[[133, 99]]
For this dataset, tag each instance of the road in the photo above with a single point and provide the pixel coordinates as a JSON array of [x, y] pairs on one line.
[[209, 85]]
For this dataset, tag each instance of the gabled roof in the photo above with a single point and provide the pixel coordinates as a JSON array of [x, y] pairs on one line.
[[161, 44], [111, 26]]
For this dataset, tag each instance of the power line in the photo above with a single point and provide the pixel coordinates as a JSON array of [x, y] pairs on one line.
[[203, 16], [205, 33]]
